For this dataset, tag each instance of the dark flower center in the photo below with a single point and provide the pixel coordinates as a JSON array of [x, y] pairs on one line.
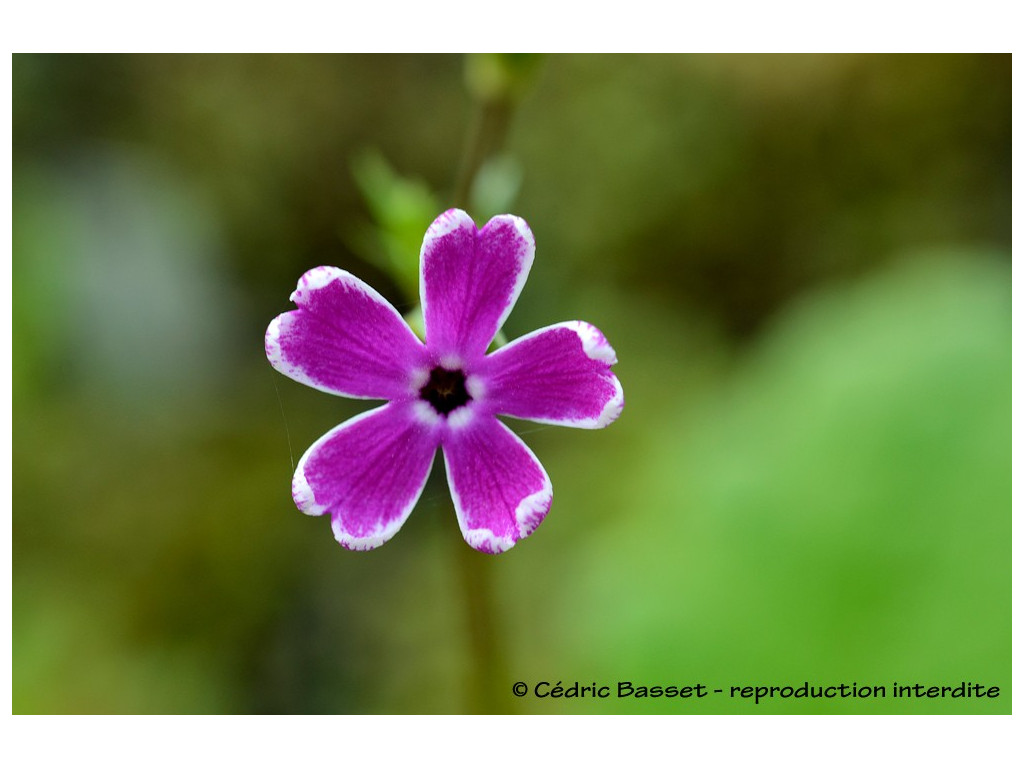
[[446, 390]]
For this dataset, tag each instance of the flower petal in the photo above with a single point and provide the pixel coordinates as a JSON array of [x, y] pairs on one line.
[[556, 375], [367, 474], [470, 280], [344, 338], [501, 492]]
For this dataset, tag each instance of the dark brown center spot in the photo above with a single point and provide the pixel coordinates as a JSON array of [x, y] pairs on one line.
[[445, 390]]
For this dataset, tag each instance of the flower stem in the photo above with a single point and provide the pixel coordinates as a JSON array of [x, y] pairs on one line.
[[489, 681], [490, 126]]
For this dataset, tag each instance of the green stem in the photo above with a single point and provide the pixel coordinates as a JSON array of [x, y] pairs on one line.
[[490, 126], [489, 681]]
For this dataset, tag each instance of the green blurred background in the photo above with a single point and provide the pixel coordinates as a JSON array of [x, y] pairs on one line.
[[802, 262]]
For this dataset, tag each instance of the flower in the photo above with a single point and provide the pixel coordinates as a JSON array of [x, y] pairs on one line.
[[446, 391]]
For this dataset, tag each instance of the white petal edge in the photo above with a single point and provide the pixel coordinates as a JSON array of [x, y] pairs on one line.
[[484, 541], [530, 512], [446, 223], [533, 508], [314, 280], [611, 411], [317, 278], [596, 347], [455, 218], [524, 266], [302, 494], [320, 277]]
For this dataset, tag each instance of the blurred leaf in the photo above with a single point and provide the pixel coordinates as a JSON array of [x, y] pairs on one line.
[[402, 209], [151, 312], [838, 512], [41, 240], [496, 187]]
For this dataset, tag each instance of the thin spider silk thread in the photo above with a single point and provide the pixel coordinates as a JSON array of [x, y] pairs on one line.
[[287, 431]]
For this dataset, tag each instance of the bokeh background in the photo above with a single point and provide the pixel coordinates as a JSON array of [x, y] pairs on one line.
[[802, 261]]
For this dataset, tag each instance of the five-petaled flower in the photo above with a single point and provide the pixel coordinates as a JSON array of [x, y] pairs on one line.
[[446, 391]]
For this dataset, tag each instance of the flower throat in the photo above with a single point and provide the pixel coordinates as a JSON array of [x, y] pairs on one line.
[[446, 390]]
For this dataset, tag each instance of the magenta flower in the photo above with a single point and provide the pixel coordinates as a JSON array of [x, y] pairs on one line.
[[346, 339]]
